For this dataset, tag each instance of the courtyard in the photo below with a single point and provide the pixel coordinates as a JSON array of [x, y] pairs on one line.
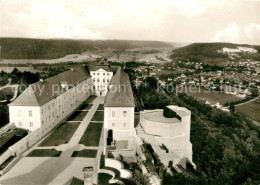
[[58, 157]]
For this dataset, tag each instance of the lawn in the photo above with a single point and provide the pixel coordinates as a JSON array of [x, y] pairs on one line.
[[61, 135], [250, 110], [103, 178], [98, 116], [77, 116], [91, 99], [212, 97], [85, 106], [92, 134], [85, 153], [101, 107], [44, 153]]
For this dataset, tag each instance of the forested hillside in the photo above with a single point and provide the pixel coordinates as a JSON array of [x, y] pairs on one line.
[[20, 48], [200, 52], [226, 147]]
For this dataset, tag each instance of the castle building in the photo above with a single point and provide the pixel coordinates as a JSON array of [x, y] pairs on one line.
[[119, 110], [169, 136], [47, 102], [101, 76]]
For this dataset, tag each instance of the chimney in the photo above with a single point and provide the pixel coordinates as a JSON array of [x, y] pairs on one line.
[[88, 175]]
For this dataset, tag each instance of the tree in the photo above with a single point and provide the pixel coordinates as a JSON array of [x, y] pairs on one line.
[[232, 107]]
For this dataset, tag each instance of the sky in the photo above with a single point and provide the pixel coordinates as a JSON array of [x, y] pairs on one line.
[[236, 21]]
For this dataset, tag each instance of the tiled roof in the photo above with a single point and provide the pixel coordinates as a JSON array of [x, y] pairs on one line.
[[121, 94], [101, 65], [40, 93]]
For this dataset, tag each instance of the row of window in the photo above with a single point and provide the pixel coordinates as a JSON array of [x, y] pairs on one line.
[[101, 73], [104, 80], [114, 124], [114, 113], [21, 124]]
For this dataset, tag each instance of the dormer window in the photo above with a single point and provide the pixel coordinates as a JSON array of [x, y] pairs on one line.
[[64, 85]]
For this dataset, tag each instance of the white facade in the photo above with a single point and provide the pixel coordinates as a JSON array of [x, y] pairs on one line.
[[101, 79], [51, 113], [120, 120]]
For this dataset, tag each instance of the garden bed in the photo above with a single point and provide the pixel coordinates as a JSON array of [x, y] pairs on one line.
[[98, 116], [44, 153], [85, 106], [92, 134], [91, 99], [77, 116], [61, 135], [85, 153]]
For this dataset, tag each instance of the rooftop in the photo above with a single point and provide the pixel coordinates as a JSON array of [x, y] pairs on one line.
[[157, 116], [101, 65], [120, 93], [181, 111], [41, 92]]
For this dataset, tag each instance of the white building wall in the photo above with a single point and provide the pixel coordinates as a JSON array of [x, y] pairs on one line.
[[19, 115], [101, 79], [122, 125], [51, 113]]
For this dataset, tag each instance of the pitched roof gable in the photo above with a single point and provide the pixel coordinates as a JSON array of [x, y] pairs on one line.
[[40, 93], [120, 94]]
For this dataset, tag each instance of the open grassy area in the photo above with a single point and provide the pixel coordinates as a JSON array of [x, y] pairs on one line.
[[92, 134], [85, 106], [85, 153], [61, 135], [103, 178], [101, 107], [77, 116], [44, 153], [250, 110], [212, 97], [98, 116], [91, 99]]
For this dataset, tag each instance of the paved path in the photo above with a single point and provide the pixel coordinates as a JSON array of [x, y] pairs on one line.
[[248, 101], [56, 170]]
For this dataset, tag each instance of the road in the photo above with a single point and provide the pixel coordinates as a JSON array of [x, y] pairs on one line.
[[248, 101]]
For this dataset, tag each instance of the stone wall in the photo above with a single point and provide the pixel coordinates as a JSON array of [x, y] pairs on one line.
[[7, 127]]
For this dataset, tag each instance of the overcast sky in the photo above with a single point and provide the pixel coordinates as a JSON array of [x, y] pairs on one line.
[[236, 21]]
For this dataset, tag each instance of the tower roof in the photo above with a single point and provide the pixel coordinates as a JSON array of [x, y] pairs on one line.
[[120, 93]]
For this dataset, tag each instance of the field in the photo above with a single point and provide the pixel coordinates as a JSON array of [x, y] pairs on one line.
[[92, 134], [44, 153], [77, 116], [212, 97], [85, 153], [58, 137], [250, 110], [98, 116]]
